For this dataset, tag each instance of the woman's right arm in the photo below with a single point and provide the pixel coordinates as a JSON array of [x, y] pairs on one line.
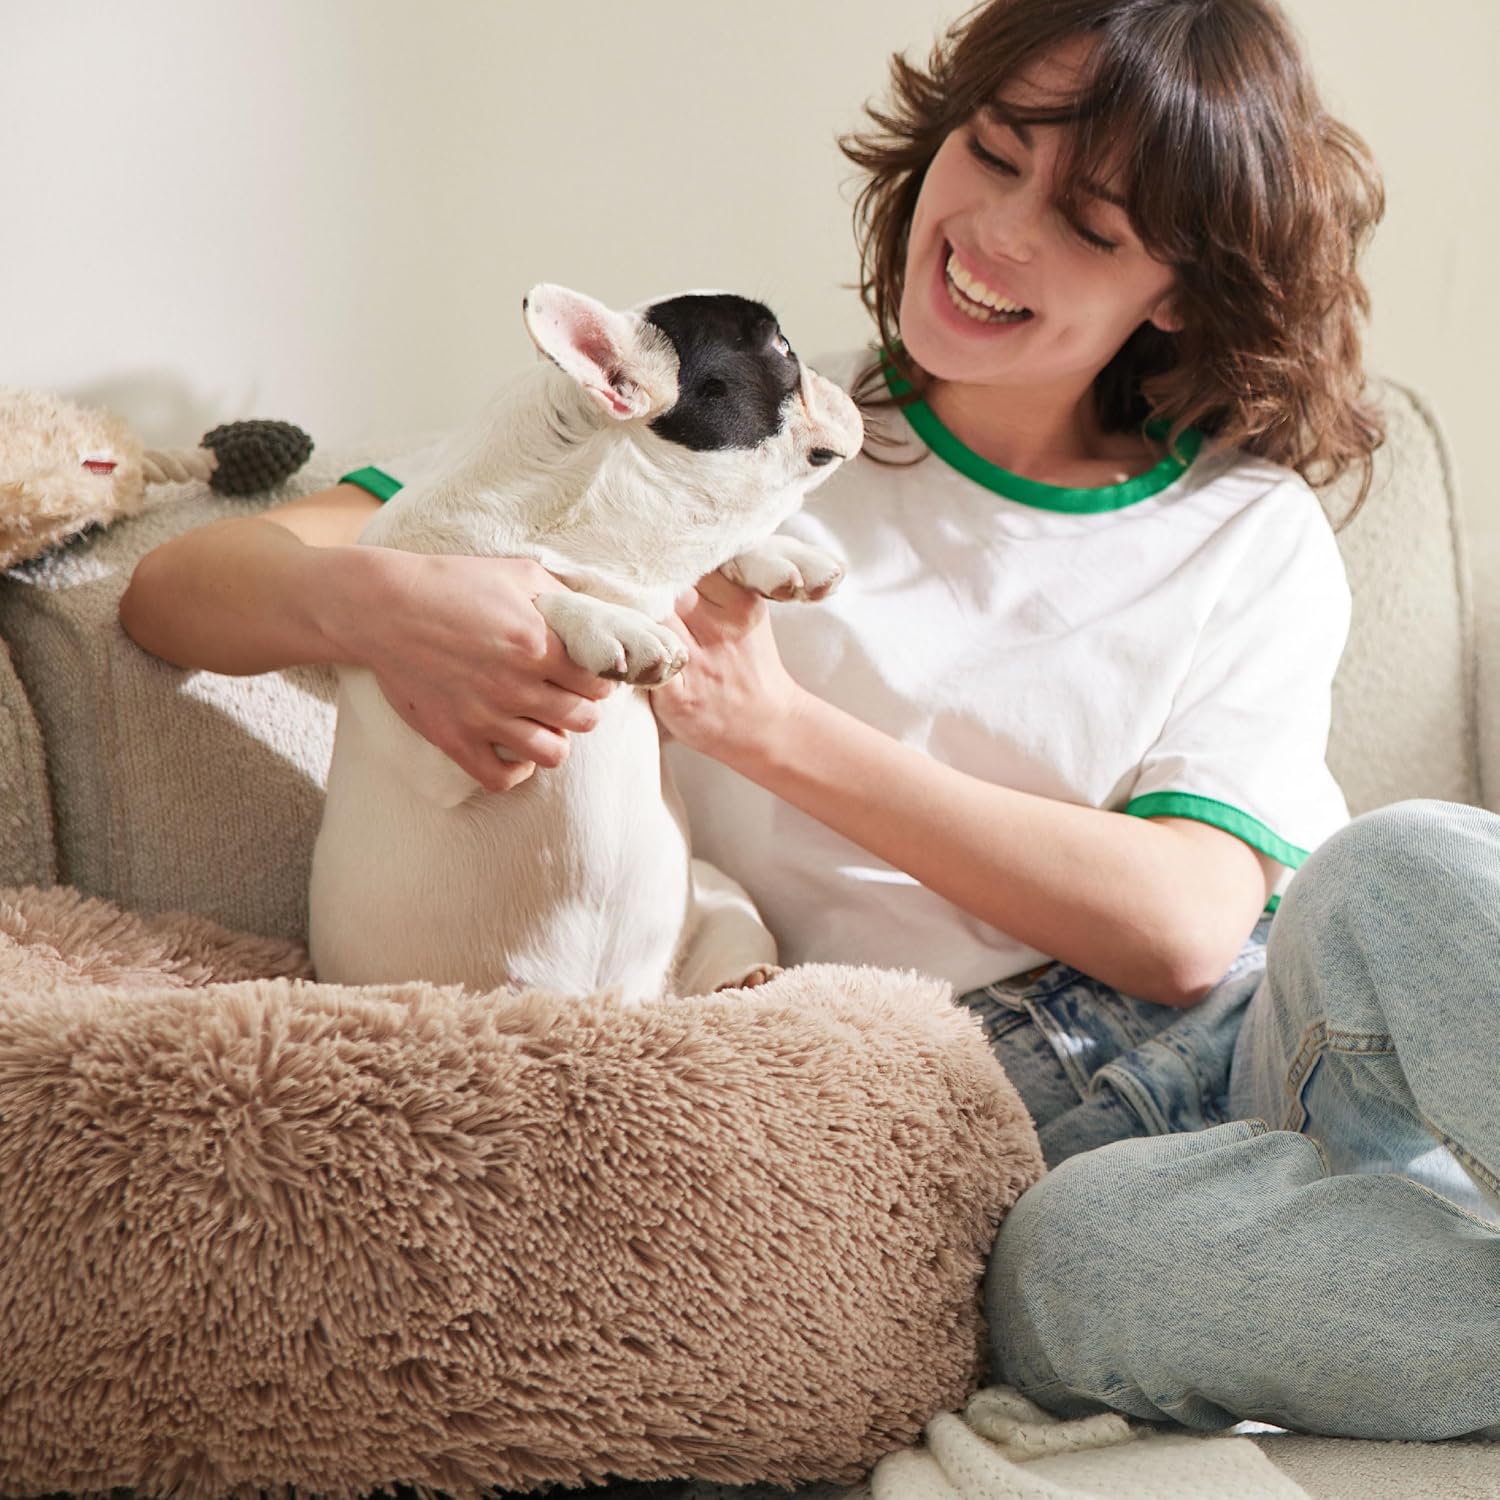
[[456, 643]]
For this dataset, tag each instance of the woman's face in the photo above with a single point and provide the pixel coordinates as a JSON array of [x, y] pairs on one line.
[[989, 236]]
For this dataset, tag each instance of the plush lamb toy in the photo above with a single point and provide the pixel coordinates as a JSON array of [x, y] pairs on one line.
[[65, 468]]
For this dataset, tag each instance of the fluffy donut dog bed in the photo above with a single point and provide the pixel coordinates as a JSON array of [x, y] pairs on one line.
[[258, 1232]]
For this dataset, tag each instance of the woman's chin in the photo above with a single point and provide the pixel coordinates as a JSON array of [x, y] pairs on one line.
[[927, 346], [937, 354]]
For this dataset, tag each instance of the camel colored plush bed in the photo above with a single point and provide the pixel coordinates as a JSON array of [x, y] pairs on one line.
[[257, 1231]]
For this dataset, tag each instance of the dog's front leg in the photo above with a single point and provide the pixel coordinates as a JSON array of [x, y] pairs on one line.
[[613, 640], [781, 567]]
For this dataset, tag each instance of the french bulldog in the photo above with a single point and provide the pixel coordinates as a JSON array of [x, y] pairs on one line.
[[649, 448]]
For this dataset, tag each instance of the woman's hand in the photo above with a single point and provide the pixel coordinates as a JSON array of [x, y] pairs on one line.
[[464, 656], [734, 700]]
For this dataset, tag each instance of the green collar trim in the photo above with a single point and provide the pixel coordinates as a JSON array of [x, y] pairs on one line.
[[1076, 502]]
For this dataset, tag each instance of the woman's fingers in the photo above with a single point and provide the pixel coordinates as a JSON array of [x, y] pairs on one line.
[[562, 671], [677, 622], [492, 773], [715, 589], [533, 745], [715, 608], [557, 709], [529, 740], [507, 774]]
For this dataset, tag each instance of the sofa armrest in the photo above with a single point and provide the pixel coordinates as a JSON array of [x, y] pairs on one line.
[[27, 852], [1472, 730], [1484, 559], [170, 790], [1403, 700]]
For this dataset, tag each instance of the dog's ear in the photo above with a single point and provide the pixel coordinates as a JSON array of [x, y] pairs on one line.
[[619, 359]]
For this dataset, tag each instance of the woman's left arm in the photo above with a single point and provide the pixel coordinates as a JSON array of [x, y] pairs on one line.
[[1156, 907]]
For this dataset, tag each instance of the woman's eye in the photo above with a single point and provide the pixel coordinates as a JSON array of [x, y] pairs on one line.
[[1096, 241], [998, 163], [780, 345]]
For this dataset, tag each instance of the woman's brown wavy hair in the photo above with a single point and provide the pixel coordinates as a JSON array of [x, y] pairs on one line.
[[1233, 174]]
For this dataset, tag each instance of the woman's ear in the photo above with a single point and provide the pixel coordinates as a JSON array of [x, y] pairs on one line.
[[1165, 315]]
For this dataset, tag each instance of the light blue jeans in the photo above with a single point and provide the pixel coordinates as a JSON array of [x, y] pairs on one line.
[[1094, 1065], [1329, 1259]]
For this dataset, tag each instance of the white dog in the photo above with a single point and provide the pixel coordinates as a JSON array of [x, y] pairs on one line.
[[656, 446]]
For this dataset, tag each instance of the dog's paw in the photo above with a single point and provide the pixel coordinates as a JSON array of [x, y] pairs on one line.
[[753, 979], [781, 568], [612, 640], [644, 654]]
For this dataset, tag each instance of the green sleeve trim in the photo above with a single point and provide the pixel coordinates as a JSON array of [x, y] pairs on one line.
[[376, 481], [1220, 815]]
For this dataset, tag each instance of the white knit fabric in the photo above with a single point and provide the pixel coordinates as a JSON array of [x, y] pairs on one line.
[[1005, 1448]]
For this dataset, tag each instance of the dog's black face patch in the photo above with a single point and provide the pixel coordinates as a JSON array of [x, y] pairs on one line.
[[735, 372]]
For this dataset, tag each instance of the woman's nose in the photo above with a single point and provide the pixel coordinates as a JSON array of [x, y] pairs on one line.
[[1008, 226]]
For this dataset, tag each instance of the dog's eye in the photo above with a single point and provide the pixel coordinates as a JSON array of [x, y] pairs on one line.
[[712, 388], [780, 345]]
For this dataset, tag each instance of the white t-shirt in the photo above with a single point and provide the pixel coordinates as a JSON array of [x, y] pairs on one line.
[[1162, 647]]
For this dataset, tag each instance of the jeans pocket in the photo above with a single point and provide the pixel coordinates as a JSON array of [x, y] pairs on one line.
[[1089, 1024], [1064, 1037], [1019, 990]]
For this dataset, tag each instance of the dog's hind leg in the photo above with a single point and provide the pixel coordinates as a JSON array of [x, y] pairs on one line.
[[725, 945]]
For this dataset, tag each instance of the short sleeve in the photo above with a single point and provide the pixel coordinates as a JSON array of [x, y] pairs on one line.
[[1245, 744], [374, 480], [392, 474]]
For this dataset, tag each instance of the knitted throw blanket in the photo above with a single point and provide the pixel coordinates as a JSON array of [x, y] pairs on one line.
[[1005, 1448]]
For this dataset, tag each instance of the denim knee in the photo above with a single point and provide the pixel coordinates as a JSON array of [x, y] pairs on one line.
[[1223, 1275], [1417, 867], [1030, 1269], [1062, 1277], [1404, 851]]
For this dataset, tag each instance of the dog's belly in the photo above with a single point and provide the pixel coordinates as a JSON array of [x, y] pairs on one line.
[[576, 881]]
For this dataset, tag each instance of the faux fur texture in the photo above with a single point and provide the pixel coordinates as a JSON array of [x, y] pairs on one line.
[[46, 493], [256, 1231]]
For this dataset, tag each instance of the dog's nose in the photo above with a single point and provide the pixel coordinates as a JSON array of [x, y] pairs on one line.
[[820, 456]]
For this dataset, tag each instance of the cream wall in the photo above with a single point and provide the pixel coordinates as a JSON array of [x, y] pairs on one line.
[[327, 210]]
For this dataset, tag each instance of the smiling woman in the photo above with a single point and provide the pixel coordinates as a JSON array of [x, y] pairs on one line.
[[1001, 225], [1169, 203]]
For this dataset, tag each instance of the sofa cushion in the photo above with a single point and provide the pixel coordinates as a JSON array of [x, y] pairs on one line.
[[1404, 710]]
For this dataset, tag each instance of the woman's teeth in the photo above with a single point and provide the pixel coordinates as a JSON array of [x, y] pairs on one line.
[[971, 296]]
